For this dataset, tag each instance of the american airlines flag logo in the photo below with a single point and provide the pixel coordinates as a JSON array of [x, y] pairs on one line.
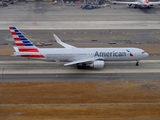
[[129, 52], [19, 38]]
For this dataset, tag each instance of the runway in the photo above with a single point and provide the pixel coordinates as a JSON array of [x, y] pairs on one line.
[[32, 70]]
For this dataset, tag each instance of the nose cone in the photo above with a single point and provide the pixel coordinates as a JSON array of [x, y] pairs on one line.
[[145, 55]]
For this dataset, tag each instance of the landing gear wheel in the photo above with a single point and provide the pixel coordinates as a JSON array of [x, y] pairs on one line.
[[137, 63], [81, 66], [135, 6]]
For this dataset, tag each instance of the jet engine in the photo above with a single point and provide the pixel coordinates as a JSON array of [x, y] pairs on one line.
[[129, 4], [97, 64]]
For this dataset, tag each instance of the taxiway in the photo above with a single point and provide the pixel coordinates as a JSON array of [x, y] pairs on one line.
[[40, 15], [32, 70]]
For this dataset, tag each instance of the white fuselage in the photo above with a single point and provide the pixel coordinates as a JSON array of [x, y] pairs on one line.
[[106, 54]]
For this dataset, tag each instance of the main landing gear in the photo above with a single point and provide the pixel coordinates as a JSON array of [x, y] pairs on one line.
[[137, 63], [81, 66], [135, 6]]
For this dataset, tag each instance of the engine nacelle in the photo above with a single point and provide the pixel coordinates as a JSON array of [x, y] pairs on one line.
[[97, 64], [129, 4]]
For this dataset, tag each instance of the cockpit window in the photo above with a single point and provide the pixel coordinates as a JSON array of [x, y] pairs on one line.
[[143, 52]]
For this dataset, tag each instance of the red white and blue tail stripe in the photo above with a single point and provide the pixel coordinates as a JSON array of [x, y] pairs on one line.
[[22, 42], [24, 46]]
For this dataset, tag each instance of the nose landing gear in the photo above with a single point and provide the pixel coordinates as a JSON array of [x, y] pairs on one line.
[[137, 63]]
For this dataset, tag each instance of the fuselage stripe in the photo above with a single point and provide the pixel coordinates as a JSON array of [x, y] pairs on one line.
[[33, 56]]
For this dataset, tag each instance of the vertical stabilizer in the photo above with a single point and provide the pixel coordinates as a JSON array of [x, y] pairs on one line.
[[24, 47], [22, 42]]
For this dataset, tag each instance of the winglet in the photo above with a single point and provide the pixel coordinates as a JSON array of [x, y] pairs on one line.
[[62, 43]]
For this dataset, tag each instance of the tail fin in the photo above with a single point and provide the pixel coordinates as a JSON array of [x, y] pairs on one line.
[[24, 47], [22, 42]]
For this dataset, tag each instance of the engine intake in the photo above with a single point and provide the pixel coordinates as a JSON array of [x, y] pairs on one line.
[[97, 64]]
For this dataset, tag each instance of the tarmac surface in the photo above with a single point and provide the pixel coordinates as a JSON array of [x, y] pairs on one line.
[[44, 15], [125, 36], [32, 70]]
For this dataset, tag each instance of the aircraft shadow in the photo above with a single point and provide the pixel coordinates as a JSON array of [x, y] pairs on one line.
[[148, 10]]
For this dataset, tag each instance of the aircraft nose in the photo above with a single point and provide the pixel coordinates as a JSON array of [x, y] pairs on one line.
[[146, 55]]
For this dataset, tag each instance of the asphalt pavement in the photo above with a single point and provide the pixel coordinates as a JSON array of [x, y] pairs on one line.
[[17, 69], [43, 16]]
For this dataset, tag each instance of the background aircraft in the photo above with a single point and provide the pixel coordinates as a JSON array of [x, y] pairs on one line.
[[82, 57], [139, 3]]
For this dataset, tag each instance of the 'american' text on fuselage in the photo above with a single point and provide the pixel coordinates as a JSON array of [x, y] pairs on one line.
[[110, 54]]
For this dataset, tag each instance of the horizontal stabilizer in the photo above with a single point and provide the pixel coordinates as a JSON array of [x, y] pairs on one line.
[[19, 54], [16, 49]]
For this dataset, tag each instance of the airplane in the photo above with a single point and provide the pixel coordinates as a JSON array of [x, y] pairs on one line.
[[138, 3], [82, 57]]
